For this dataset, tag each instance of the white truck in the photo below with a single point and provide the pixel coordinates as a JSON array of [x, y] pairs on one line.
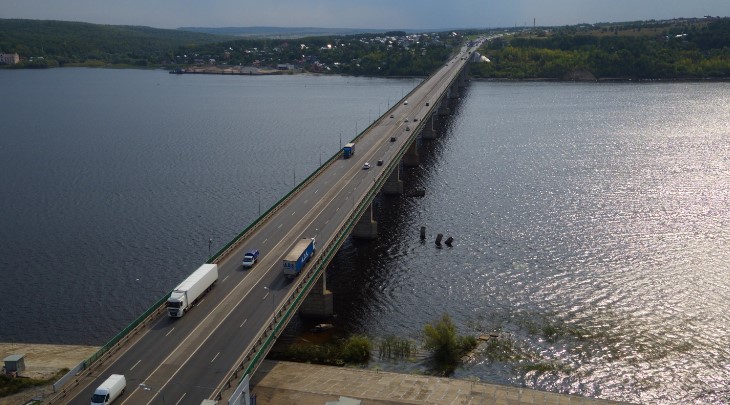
[[111, 389], [187, 293]]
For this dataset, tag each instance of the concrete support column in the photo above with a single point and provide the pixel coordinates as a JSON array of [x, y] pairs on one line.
[[454, 91], [429, 130], [319, 302], [366, 227], [393, 184], [411, 157]]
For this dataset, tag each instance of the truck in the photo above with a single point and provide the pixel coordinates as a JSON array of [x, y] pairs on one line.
[[250, 258], [298, 257], [348, 150], [187, 293], [111, 389]]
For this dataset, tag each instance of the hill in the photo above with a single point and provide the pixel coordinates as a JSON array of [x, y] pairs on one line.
[[280, 32], [645, 50], [57, 43]]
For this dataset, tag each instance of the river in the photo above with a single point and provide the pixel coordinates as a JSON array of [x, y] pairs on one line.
[[591, 221]]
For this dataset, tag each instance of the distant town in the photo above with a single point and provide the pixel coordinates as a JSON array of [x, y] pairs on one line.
[[685, 48]]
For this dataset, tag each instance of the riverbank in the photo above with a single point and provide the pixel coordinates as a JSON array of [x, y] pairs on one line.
[[43, 361]]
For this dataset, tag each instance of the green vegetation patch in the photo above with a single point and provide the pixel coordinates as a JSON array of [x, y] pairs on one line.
[[10, 385], [690, 51], [446, 345], [393, 347], [353, 350]]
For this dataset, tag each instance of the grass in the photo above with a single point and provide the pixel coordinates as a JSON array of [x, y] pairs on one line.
[[10, 386], [393, 347], [353, 350]]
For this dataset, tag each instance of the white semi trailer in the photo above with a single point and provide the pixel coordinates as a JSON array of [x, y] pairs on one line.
[[187, 293]]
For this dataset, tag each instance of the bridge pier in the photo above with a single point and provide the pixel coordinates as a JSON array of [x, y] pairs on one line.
[[366, 227], [453, 92], [393, 184], [429, 131], [411, 157], [319, 302]]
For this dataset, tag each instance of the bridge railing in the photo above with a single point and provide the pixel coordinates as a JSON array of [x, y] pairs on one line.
[[265, 339], [282, 315]]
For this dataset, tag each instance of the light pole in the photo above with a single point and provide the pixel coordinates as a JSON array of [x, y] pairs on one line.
[[273, 304], [210, 242], [148, 388]]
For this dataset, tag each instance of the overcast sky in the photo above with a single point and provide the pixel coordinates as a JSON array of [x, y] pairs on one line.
[[377, 14]]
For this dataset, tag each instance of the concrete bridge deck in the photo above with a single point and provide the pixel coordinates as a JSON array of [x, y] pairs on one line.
[[285, 383]]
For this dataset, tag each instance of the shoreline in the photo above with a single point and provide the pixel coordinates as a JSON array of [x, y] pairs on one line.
[[43, 361]]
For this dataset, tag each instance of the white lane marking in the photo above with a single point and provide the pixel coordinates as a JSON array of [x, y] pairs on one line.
[[293, 212], [215, 357], [244, 322], [225, 278], [267, 294], [279, 227], [135, 365], [316, 191], [265, 240], [166, 334], [181, 398]]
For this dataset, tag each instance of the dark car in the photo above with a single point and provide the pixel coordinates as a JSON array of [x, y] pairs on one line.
[[380, 162]]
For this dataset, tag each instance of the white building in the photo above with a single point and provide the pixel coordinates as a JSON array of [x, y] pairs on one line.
[[9, 58]]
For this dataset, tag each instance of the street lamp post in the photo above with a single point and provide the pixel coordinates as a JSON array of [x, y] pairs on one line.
[[148, 388], [273, 304]]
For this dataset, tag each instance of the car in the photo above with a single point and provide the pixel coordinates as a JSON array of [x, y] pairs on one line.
[[415, 119], [406, 120], [405, 102], [427, 104], [366, 166], [408, 128], [380, 162], [392, 139], [250, 258], [391, 116]]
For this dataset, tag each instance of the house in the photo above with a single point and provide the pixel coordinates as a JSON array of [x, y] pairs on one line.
[[9, 58]]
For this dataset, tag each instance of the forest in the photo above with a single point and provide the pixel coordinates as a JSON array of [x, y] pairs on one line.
[[642, 51]]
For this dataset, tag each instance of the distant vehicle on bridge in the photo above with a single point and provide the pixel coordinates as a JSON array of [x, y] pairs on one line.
[[348, 150], [187, 293], [298, 257]]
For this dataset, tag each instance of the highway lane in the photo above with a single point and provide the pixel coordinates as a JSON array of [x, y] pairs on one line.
[[183, 360]]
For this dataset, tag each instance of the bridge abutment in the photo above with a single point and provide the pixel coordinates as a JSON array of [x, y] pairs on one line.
[[319, 302]]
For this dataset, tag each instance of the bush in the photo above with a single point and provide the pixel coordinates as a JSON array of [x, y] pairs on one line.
[[356, 349], [441, 340]]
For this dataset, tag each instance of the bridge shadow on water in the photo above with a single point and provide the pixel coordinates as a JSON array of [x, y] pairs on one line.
[[361, 269]]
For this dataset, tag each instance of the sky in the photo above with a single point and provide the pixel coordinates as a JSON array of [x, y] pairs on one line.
[[375, 14]]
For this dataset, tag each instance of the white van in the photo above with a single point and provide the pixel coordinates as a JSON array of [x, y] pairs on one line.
[[109, 390]]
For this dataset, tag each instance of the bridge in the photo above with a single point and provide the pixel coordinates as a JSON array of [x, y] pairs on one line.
[[209, 353]]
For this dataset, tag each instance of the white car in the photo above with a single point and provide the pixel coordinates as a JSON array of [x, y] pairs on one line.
[[366, 166]]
